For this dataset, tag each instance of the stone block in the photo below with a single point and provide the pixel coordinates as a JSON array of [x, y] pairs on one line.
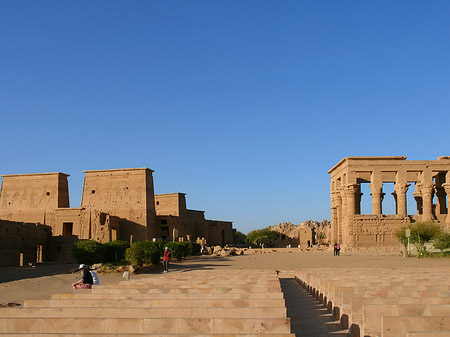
[[400, 326]]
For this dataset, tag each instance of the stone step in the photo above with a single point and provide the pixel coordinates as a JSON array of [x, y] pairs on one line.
[[163, 303], [400, 326], [374, 313], [121, 312], [86, 294], [428, 334], [357, 305], [174, 290], [145, 325], [140, 335]]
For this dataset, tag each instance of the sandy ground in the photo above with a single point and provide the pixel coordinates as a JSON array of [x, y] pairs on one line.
[[41, 281]]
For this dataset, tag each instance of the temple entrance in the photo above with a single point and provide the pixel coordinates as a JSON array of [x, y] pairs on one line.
[[67, 228]]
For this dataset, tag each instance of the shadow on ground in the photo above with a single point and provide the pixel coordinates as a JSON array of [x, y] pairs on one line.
[[308, 317], [8, 274]]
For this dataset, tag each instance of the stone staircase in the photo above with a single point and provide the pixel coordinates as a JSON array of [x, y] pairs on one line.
[[384, 302], [228, 303]]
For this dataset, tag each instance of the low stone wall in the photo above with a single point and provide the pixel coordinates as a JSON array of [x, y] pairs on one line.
[[22, 243]]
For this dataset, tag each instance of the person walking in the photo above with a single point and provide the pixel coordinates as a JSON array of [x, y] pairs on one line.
[[166, 258]]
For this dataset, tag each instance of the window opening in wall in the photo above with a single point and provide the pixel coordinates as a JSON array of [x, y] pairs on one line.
[[163, 222], [416, 207], [164, 232], [47, 193], [411, 204], [157, 202], [388, 204], [93, 192], [366, 199]]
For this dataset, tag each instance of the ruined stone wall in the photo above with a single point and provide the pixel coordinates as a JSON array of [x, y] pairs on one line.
[[220, 233], [124, 193], [306, 237], [22, 243]]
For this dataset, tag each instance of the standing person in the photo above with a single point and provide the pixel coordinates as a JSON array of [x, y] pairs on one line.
[[335, 248], [166, 258], [86, 280], [338, 249]]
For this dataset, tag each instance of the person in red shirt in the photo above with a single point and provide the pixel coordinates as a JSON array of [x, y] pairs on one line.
[[166, 258]]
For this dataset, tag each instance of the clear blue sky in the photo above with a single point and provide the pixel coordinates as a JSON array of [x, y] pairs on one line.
[[243, 105]]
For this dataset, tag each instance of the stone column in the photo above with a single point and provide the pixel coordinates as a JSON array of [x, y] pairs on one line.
[[338, 234], [400, 190], [446, 187], [377, 198], [334, 217], [351, 191], [427, 198]]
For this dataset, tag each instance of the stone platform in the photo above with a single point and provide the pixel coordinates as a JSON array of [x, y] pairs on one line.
[[194, 303], [384, 302]]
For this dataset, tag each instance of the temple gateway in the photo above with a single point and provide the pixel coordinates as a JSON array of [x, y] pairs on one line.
[[427, 181]]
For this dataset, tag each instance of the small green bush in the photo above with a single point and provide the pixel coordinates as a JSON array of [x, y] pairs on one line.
[[421, 233], [178, 249], [193, 248], [143, 252], [88, 251], [442, 242], [114, 252], [258, 234]]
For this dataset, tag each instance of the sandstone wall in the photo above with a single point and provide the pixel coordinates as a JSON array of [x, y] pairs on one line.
[[22, 243], [124, 193]]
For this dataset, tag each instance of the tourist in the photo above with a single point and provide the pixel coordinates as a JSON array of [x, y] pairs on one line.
[[86, 280], [338, 249], [166, 258], [335, 248]]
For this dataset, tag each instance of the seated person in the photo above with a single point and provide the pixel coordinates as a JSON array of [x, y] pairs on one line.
[[86, 280]]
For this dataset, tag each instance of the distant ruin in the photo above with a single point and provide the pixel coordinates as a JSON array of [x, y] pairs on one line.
[[429, 180], [117, 204]]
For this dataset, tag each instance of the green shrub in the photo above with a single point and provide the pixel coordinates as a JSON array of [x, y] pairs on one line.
[[239, 237], [420, 233], [143, 252], [178, 249], [258, 234], [115, 251], [193, 248], [442, 242], [88, 251]]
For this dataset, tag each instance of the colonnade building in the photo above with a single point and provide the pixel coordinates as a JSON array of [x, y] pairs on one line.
[[428, 181]]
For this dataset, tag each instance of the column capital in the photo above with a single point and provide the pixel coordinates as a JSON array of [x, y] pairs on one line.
[[401, 188], [446, 187], [352, 189], [427, 190]]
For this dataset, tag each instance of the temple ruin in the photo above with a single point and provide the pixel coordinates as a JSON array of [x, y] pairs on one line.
[[428, 181], [117, 204]]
